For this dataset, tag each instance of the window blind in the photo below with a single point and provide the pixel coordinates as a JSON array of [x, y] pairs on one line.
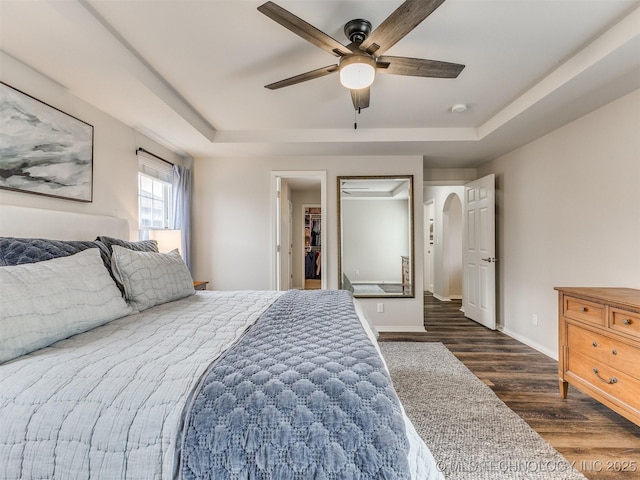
[[155, 168]]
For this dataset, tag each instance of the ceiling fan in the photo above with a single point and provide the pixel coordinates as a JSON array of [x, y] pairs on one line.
[[363, 57]]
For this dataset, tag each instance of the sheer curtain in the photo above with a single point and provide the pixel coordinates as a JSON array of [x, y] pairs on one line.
[[182, 208]]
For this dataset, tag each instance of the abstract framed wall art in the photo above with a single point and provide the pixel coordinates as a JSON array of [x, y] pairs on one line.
[[43, 150]]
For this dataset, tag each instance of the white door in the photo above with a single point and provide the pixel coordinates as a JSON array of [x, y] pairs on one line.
[[428, 246], [290, 236], [479, 286], [283, 242]]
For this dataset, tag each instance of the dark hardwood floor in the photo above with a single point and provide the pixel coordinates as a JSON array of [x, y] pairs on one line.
[[601, 444]]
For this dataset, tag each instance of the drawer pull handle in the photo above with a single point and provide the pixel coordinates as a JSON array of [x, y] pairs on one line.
[[614, 352], [626, 321], [584, 309], [594, 343], [610, 381]]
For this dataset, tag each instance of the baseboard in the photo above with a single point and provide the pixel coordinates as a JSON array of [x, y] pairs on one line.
[[526, 341], [441, 298], [400, 329], [447, 299]]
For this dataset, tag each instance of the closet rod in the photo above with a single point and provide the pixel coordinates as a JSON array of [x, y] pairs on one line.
[[140, 149]]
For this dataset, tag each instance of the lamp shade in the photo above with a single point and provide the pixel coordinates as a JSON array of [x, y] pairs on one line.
[[168, 240], [357, 71]]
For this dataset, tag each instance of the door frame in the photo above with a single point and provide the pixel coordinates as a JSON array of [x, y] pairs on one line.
[[276, 177], [290, 246], [428, 267]]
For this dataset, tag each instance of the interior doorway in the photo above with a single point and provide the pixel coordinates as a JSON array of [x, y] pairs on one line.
[[464, 245], [290, 191], [452, 247], [312, 227], [443, 241]]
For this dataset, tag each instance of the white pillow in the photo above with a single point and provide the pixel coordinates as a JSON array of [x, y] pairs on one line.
[[151, 278], [41, 303]]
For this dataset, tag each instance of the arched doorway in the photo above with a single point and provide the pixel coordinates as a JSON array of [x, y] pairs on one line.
[[452, 247]]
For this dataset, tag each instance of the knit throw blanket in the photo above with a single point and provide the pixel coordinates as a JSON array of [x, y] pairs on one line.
[[303, 395]]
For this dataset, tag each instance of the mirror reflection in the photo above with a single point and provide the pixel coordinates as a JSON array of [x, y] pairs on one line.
[[375, 224]]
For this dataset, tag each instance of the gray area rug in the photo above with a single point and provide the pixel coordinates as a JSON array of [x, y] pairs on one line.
[[472, 434], [367, 289]]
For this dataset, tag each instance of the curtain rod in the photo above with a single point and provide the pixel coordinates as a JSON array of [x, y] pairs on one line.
[[140, 149]]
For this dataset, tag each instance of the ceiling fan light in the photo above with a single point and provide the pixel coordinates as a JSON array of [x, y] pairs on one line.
[[357, 71]]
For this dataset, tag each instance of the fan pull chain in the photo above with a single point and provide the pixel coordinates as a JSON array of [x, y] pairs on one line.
[[355, 122]]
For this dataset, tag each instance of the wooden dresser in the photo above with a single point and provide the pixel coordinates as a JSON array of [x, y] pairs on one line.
[[599, 346]]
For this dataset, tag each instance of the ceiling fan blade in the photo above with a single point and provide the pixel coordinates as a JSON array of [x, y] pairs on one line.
[[404, 19], [361, 97], [419, 67], [303, 29], [303, 77]]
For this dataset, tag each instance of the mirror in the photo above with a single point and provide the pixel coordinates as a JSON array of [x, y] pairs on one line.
[[375, 236]]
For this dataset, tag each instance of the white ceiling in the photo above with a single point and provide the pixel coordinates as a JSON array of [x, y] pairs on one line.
[[191, 72]]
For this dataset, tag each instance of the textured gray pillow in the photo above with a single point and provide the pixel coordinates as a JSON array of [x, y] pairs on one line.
[[151, 278], [16, 251], [140, 246], [41, 303]]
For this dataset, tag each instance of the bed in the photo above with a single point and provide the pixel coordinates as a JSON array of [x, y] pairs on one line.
[[112, 366]]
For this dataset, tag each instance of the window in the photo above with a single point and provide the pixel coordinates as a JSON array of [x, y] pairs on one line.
[[154, 194], [154, 202]]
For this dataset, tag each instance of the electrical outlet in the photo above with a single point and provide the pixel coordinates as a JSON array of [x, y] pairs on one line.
[[381, 308], [534, 320], [356, 271]]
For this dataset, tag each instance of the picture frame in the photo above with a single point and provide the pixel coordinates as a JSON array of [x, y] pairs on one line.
[[43, 150]]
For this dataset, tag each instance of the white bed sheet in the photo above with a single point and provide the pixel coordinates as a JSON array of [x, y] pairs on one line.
[[108, 403]]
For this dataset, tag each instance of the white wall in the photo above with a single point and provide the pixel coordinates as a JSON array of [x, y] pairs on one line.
[[231, 217], [374, 229], [449, 176], [115, 165], [568, 214], [452, 245]]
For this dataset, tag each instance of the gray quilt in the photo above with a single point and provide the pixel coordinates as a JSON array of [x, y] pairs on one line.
[[303, 395]]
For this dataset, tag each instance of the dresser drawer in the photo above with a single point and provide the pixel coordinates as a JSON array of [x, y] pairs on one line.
[[584, 310], [619, 385], [624, 321], [613, 352]]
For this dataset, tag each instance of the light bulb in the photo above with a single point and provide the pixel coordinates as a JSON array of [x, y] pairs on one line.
[[357, 71]]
